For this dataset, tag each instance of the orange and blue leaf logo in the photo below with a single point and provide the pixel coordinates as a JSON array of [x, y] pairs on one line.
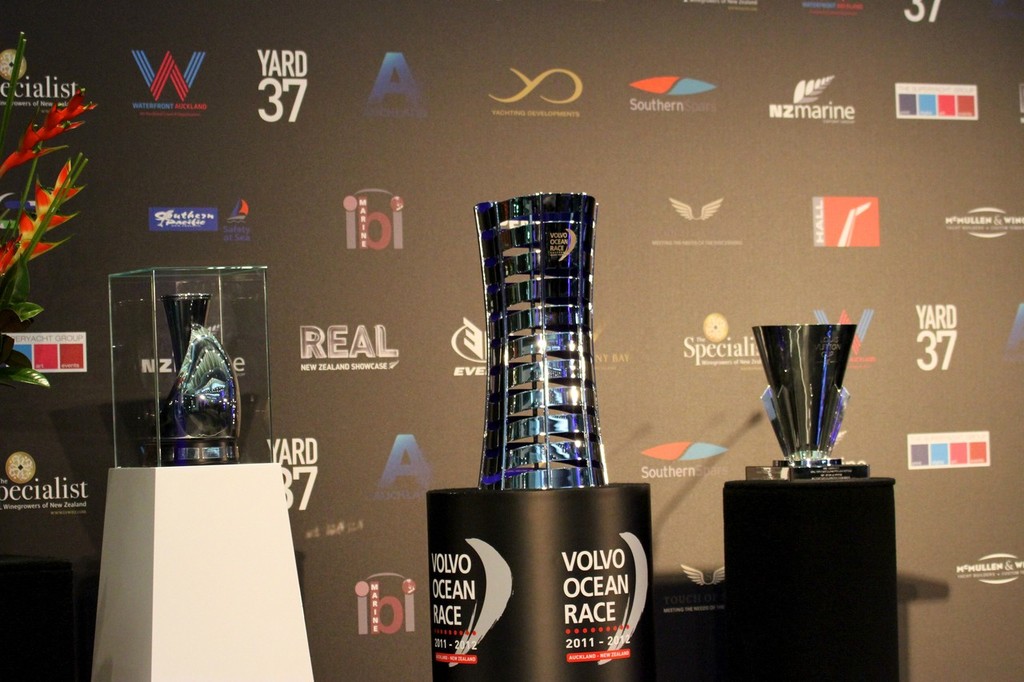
[[684, 450], [673, 86]]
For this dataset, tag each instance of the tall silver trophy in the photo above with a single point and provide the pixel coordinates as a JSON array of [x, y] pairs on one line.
[[515, 540], [541, 422], [805, 399], [199, 419]]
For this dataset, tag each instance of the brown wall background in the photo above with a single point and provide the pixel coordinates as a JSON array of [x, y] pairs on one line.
[[658, 276]]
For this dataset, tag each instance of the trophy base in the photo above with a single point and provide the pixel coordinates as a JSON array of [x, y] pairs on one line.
[[192, 452], [836, 574], [552, 585], [830, 469]]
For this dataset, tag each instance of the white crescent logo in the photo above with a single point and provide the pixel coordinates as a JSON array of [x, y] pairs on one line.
[[499, 590], [570, 246], [636, 609]]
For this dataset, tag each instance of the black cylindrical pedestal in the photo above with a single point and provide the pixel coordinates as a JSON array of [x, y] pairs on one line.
[[541, 584], [811, 580]]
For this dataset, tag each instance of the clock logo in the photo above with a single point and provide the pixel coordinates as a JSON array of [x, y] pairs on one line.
[[20, 468], [7, 65], [716, 328]]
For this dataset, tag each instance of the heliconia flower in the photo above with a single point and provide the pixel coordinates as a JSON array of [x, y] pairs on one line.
[[22, 238], [61, 116], [46, 215], [57, 121], [60, 188], [8, 250], [21, 156]]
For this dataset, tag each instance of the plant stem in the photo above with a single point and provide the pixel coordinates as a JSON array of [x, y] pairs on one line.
[[19, 55]]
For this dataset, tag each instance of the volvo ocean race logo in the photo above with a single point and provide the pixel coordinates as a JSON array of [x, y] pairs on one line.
[[468, 594], [605, 591]]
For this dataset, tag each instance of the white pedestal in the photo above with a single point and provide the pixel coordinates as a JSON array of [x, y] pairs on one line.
[[198, 579]]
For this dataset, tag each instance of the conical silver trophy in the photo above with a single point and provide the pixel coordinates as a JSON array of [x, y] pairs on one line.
[[805, 399], [199, 419], [541, 422]]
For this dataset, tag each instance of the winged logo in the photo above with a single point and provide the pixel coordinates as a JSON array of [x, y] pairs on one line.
[[697, 576], [706, 211]]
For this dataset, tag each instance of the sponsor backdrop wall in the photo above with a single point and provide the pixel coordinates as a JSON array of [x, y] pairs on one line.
[[755, 161]]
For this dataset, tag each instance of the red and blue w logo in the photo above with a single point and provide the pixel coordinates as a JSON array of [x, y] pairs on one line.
[[169, 71]]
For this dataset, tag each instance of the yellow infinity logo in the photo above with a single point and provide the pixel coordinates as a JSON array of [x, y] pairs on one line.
[[531, 85]]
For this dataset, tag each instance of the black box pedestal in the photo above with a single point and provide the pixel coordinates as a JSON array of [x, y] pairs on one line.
[[37, 620], [811, 580], [541, 584]]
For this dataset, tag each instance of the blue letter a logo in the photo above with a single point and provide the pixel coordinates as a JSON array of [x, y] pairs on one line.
[[395, 92], [406, 459]]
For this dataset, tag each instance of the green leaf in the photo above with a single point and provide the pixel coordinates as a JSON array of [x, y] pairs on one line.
[[17, 359], [11, 322], [9, 356], [15, 284], [22, 375], [26, 310], [6, 348]]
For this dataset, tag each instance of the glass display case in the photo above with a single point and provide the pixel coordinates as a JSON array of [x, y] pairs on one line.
[[190, 366]]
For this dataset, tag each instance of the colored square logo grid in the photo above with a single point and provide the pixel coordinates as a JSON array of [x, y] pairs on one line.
[[936, 102], [49, 356], [948, 450]]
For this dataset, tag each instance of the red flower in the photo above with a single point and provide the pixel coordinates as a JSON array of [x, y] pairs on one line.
[[47, 215], [8, 249], [59, 120], [61, 116], [22, 236]]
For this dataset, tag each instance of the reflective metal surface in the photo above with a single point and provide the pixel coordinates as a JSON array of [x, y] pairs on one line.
[[805, 398], [199, 419], [541, 424]]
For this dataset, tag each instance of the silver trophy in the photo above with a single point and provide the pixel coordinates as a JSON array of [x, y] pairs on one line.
[[541, 424], [805, 399], [199, 419]]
